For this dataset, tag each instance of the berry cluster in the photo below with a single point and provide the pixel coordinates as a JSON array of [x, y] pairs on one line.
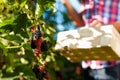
[[36, 41], [38, 45], [40, 72]]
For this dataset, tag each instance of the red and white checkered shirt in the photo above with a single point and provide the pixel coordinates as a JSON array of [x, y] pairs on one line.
[[106, 11], [98, 64]]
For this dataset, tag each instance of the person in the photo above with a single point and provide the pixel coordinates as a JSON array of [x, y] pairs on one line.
[[96, 13]]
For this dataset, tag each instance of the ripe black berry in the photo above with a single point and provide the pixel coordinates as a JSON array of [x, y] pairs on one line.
[[39, 75], [32, 44], [44, 46]]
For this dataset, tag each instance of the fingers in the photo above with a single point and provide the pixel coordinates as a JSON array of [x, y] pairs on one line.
[[95, 23]]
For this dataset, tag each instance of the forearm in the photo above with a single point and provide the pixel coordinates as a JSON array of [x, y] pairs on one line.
[[73, 15]]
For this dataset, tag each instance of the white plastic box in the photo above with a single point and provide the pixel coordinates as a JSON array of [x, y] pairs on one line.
[[88, 43]]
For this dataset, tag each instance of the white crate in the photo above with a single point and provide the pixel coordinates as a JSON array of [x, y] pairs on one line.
[[101, 43]]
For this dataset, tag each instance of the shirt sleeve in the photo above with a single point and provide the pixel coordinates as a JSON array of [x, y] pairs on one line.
[[77, 5]]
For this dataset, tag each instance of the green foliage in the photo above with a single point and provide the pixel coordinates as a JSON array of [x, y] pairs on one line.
[[6, 22], [17, 16]]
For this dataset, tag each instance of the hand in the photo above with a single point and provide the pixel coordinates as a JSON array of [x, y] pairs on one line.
[[95, 23], [116, 25]]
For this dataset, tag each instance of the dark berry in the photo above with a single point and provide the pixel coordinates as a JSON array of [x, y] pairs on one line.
[[38, 73], [32, 44], [44, 46], [47, 76], [35, 68]]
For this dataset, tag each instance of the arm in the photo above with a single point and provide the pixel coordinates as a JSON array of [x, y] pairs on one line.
[[73, 15]]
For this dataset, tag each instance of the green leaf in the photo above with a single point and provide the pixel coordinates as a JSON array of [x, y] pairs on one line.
[[2, 47], [9, 59], [23, 3], [21, 21], [26, 46], [11, 1], [24, 33], [15, 38], [21, 25], [7, 22], [13, 50]]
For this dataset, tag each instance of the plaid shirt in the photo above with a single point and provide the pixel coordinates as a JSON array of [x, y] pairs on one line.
[[98, 64], [106, 11]]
